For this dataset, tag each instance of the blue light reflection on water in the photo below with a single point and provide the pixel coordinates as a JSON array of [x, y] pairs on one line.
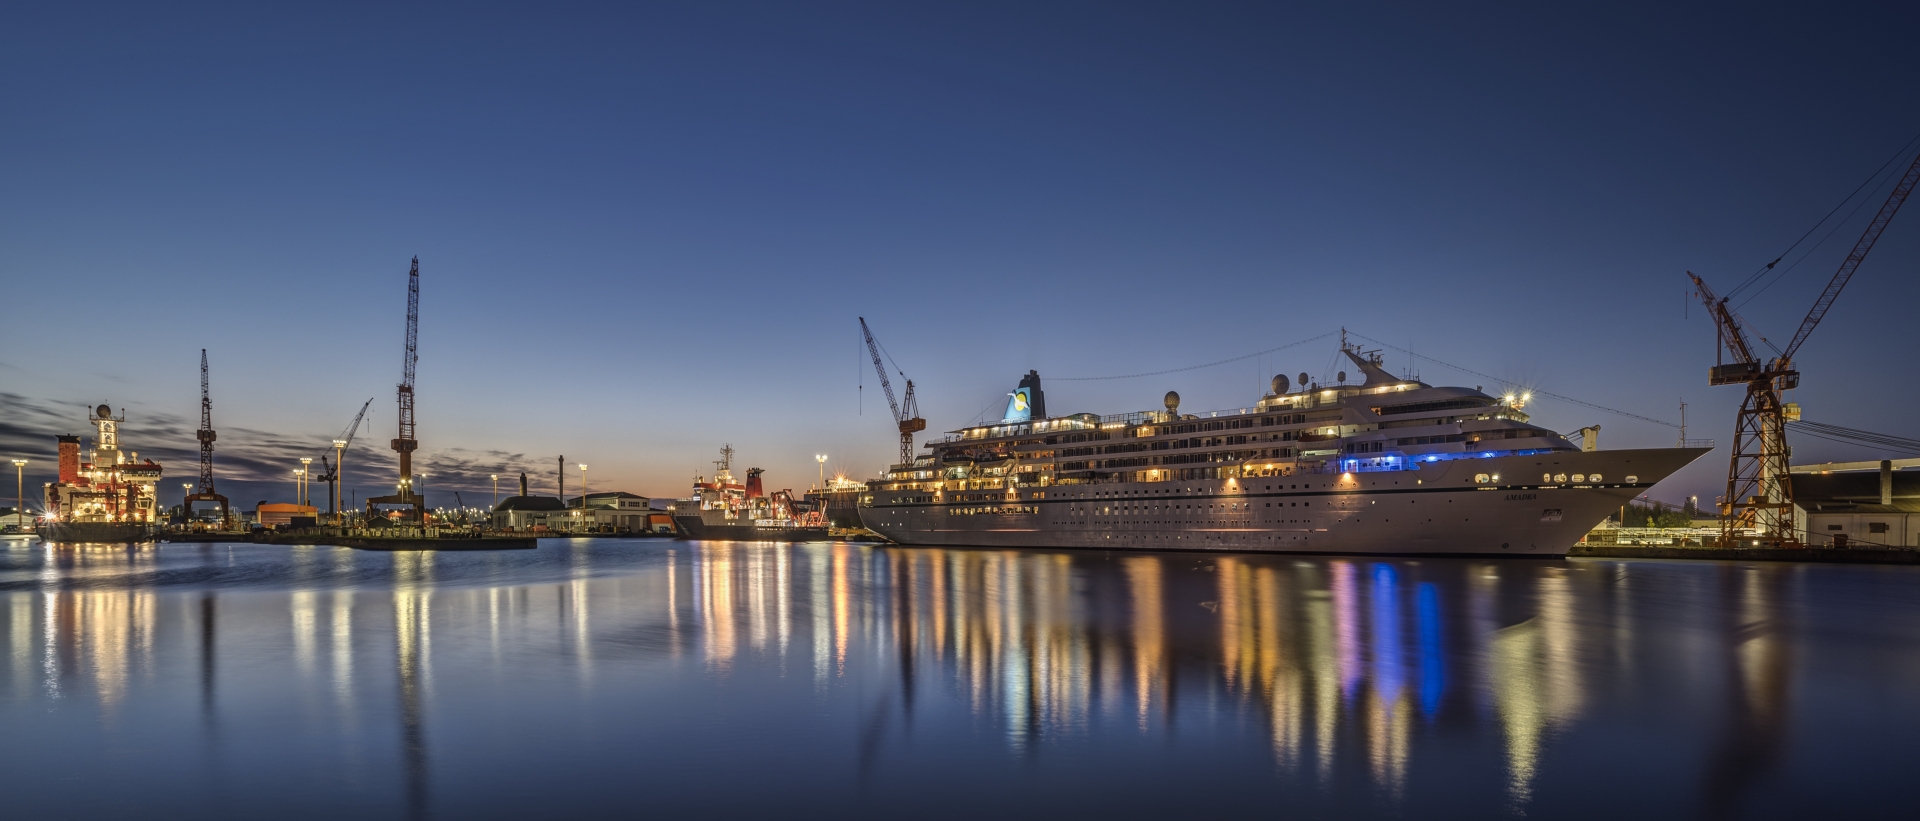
[[1433, 669], [677, 677]]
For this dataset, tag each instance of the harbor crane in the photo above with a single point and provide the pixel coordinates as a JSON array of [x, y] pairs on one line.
[[332, 469], [206, 436], [1759, 487], [905, 414], [405, 444]]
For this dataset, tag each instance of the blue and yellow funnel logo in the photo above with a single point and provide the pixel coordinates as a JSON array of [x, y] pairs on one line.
[[1019, 406]]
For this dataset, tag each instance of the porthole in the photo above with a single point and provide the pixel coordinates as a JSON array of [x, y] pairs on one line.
[[1633, 480], [1593, 477], [1579, 478], [1480, 477], [1546, 477], [1560, 478]]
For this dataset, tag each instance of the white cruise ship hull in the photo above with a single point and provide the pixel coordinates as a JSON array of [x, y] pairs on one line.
[[1443, 508]]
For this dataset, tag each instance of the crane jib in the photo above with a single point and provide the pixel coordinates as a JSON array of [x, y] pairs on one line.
[[906, 415], [1895, 199]]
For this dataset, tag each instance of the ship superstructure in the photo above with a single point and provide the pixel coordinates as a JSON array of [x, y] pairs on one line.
[[1381, 465], [105, 494], [723, 508]]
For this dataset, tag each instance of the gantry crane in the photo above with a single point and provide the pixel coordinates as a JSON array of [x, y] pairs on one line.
[[405, 444], [206, 436], [1759, 487], [906, 415]]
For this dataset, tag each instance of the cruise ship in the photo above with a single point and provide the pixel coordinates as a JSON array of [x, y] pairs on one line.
[[1380, 465]]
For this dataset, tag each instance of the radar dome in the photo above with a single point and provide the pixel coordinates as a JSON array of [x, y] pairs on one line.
[[1280, 385], [1173, 401], [103, 412], [1303, 379], [1342, 376]]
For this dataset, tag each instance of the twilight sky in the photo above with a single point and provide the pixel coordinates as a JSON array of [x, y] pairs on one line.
[[647, 229]]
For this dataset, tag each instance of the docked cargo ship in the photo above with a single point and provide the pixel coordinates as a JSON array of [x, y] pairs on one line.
[[1383, 465], [724, 509], [105, 495]]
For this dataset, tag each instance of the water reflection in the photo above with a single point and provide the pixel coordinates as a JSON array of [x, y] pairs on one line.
[[1759, 661], [1349, 677], [413, 659]]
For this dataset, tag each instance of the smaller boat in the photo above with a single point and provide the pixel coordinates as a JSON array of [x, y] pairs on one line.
[[105, 495], [723, 509]]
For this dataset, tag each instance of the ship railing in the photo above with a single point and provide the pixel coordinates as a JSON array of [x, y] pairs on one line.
[[1114, 421]]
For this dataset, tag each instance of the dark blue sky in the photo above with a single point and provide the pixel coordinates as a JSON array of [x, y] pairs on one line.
[[646, 230]]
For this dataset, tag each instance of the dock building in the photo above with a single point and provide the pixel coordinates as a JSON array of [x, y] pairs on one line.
[[1859, 504]]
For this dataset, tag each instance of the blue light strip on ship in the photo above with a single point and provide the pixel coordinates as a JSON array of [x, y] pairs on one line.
[[1384, 463]]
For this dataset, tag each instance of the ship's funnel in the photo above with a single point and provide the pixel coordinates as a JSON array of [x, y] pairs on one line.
[[69, 459], [523, 483], [753, 483], [1027, 402]]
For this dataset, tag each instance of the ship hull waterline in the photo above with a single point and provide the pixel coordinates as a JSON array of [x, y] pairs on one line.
[[696, 528], [1439, 509], [97, 532]]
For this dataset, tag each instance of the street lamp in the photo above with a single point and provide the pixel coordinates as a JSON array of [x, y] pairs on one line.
[[822, 459], [19, 489], [583, 493], [496, 490]]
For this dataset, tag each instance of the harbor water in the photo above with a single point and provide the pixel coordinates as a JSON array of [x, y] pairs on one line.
[[710, 679]]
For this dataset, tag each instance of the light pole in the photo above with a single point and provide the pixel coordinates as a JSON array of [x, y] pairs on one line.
[[822, 459], [304, 462], [19, 489], [339, 476], [583, 493], [186, 504], [496, 490], [296, 486]]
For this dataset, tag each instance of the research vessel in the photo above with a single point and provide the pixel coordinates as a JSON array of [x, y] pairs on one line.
[[1381, 465], [724, 509], [105, 495]]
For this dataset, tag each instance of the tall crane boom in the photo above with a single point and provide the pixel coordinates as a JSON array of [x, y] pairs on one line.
[[205, 434], [1872, 235], [905, 415], [206, 492], [405, 444], [355, 427], [873, 349], [1732, 338]]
